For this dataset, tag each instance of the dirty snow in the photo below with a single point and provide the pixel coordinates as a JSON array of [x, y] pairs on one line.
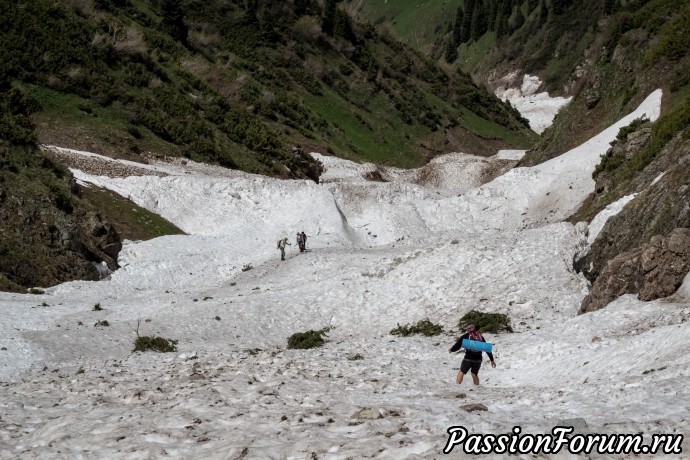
[[408, 245], [539, 108]]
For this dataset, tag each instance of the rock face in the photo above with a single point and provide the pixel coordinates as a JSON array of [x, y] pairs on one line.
[[653, 271]]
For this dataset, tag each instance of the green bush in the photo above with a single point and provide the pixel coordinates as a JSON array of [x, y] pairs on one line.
[[631, 128], [486, 322], [307, 340], [424, 327], [155, 343]]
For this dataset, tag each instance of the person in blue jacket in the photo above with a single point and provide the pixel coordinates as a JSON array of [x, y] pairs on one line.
[[473, 359]]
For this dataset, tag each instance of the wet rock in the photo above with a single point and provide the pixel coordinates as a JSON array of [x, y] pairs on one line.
[[592, 99], [367, 413], [474, 407]]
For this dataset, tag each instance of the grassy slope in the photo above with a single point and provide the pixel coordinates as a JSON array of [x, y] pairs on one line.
[[242, 91], [131, 221], [419, 24]]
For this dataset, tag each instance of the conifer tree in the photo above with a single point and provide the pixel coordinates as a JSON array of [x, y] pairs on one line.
[[559, 6], [609, 6], [543, 13], [501, 25], [451, 53], [478, 21], [518, 20], [467, 21], [173, 20], [457, 27], [328, 24]]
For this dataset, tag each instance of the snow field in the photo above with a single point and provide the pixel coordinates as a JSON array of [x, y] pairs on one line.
[[428, 243]]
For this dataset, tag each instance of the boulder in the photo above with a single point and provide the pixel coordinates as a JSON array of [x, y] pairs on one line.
[[474, 407]]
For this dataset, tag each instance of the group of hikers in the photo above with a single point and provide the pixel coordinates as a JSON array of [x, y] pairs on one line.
[[301, 243], [472, 360]]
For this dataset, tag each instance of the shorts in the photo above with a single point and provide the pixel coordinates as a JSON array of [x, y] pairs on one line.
[[468, 364]]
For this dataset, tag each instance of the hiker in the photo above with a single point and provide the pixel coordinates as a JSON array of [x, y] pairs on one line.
[[304, 240], [473, 359], [281, 245], [300, 242]]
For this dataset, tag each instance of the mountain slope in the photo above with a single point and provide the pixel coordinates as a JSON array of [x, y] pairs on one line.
[[608, 56], [246, 85], [241, 85]]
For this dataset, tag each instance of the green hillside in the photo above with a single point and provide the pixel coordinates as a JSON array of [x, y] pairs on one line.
[[239, 84]]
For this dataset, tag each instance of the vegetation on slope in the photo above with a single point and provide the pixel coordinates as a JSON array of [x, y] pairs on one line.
[[609, 55], [47, 233], [237, 83]]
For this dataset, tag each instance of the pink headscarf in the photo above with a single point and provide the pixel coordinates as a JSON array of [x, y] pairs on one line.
[[474, 333]]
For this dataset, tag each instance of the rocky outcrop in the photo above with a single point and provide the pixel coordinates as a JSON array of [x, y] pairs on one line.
[[643, 249], [49, 234], [654, 271]]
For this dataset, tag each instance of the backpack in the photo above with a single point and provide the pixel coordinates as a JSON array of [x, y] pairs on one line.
[[279, 241]]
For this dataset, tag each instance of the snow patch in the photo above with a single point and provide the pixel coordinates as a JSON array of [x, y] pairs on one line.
[[539, 108]]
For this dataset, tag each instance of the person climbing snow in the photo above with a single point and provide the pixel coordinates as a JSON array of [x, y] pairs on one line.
[[473, 359], [304, 241], [300, 242], [281, 245]]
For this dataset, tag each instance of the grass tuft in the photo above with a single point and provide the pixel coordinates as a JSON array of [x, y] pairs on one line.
[[424, 327], [486, 322], [155, 343], [307, 340]]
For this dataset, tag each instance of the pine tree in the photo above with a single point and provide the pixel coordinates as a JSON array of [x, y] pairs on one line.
[[531, 5], [500, 26], [457, 27], [451, 53], [559, 6], [173, 20], [518, 20], [543, 13], [343, 26], [478, 21], [328, 24], [467, 21], [610, 6], [491, 10]]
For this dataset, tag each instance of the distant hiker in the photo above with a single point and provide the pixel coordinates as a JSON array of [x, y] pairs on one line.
[[300, 242], [304, 240], [473, 359], [281, 245]]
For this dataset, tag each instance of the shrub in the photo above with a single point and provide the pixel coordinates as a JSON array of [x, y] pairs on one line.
[[97, 307], [307, 340], [423, 327], [486, 322], [631, 128], [155, 343]]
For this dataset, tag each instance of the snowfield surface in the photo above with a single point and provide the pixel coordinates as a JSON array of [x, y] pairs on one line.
[[539, 108], [386, 247]]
